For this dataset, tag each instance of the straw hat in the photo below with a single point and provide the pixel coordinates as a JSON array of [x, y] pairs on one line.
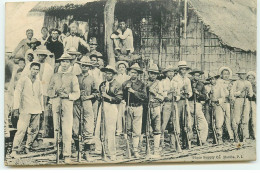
[[153, 68], [183, 64], [65, 56], [86, 61], [109, 68], [38, 43], [42, 51], [196, 71], [251, 73], [73, 51], [212, 75], [221, 69], [169, 68], [93, 41], [136, 67], [122, 62]]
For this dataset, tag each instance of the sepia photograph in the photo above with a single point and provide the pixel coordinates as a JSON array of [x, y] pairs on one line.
[[130, 82]]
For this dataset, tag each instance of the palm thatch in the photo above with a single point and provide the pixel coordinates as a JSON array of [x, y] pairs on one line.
[[233, 21]]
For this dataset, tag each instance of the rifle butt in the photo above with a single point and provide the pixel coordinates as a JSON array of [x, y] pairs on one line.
[[58, 149], [177, 144]]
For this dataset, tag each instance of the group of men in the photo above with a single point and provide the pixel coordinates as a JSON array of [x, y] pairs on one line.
[[92, 104]]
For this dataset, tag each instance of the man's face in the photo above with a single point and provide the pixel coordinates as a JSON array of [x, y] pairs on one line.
[[30, 57], [242, 76], [196, 76], [73, 56], [133, 74], [152, 76], [35, 70], [183, 71], [109, 75], [92, 47], [21, 64], [42, 57], [44, 32], [54, 35], [73, 30], [213, 81], [122, 25], [85, 68], [170, 74], [65, 64], [121, 68], [251, 78], [94, 60], [225, 74], [18, 75], [29, 34]]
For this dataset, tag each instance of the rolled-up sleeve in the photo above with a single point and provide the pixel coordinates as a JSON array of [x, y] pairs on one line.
[[75, 94]]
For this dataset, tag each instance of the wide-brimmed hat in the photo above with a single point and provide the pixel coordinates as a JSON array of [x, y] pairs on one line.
[[86, 61], [153, 68], [136, 67], [65, 56], [73, 51], [196, 71], [183, 64], [169, 68], [38, 43], [251, 73], [242, 71], [93, 41], [221, 69], [41, 50], [122, 62], [109, 68], [212, 75]]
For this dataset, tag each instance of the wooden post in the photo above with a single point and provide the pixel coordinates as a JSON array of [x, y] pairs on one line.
[[109, 22]]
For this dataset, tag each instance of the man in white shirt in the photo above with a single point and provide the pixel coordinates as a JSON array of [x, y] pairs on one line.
[[123, 39], [28, 101], [73, 40]]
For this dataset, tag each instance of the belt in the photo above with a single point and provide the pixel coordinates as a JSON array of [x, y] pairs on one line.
[[240, 97], [135, 104]]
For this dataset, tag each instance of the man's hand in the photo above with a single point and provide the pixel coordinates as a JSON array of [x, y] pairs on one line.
[[196, 91], [16, 112], [64, 95], [104, 94], [131, 90]]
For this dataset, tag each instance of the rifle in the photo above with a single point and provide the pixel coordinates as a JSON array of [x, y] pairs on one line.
[[102, 127], [176, 135], [58, 136], [147, 131], [128, 153], [186, 143], [241, 121], [199, 143], [80, 134]]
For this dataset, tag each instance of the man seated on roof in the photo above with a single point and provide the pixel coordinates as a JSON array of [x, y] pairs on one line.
[[123, 39]]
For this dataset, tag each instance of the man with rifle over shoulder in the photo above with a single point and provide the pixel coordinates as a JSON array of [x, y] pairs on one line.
[[171, 94], [199, 94], [83, 120], [63, 90], [155, 97], [242, 91], [184, 84], [216, 99], [111, 93], [134, 93]]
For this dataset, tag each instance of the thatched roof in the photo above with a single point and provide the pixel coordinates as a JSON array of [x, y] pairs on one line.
[[233, 21]]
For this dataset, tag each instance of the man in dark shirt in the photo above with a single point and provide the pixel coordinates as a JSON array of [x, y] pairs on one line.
[[199, 90], [55, 46], [134, 94]]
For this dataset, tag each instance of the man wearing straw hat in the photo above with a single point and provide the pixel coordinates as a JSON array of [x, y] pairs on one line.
[[217, 97], [112, 94], [199, 91], [29, 103], [171, 93], [121, 78], [224, 81], [134, 94], [155, 96], [63, 90], [184, 85], [93, 46], [251, 77], [88, 91], [242, 88], [73, 40]]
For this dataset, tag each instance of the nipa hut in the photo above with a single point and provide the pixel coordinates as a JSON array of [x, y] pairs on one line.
[[206, 33]]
